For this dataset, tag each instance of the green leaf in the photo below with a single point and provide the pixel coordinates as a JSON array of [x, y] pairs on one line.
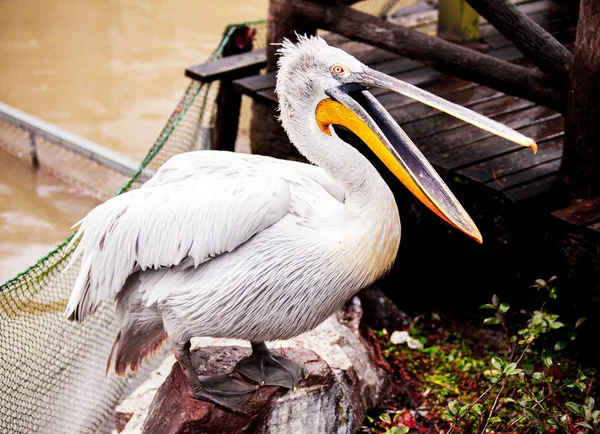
[[556, 325], [495, 300], [492, 320], [504, 307], [596, 416], [448, 415], [590, 403], [581, 386], [584, 424], [538, 375], [477, 409], [495, 419], [454, 407], [497, 362], [574, 408], [487, 306], [552, 279], [463, 410], [572, 335], [385, 417], [396, 417], [580, 321], [509, 368], [547, 361], [559, 345]]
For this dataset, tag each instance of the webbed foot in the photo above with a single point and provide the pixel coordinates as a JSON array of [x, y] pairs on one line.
[[269, 369], [224, 391]]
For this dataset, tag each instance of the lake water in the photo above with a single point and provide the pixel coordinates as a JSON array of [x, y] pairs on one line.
[[108, 70]]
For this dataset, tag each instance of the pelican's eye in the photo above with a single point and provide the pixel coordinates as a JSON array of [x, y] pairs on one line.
[[339, 71]]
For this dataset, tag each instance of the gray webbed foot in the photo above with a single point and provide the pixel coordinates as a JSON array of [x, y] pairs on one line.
[[224, 391], [271, 370], [221, 390]]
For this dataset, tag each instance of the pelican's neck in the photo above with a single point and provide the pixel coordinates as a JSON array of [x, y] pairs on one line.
[[341, 161]]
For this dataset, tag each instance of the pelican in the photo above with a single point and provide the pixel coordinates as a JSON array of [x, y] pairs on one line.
[[249, 247]]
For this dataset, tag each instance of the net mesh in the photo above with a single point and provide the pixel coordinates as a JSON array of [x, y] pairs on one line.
[[52, 372]]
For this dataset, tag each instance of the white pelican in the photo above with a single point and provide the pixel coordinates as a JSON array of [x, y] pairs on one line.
[[250, 247]]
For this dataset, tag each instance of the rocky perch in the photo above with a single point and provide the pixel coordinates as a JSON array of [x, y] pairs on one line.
[[344, 382]]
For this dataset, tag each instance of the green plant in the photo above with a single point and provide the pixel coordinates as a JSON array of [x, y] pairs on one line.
[[530, 373]]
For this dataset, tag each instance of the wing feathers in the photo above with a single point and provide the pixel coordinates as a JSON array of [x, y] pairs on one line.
[[167, 225]]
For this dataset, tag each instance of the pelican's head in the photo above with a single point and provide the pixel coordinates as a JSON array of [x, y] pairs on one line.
[[316, 77]]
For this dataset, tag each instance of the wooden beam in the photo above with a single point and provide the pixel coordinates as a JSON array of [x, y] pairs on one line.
[[442, 55], [457, 21], [228, 68], [581, 156], [534, 42]]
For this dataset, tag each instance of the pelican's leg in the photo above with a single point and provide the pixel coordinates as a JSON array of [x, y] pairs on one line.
[[270, 370], [222, 390]]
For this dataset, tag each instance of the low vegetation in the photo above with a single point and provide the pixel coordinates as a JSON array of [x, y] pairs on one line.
[[511, 375]]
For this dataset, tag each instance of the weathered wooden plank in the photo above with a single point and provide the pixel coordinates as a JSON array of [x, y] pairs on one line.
[[583, 212], [250, 85], [466, 134], [228, 68], [524, 176], [495, 146], [441, 122], [539, 187], [514, 162]]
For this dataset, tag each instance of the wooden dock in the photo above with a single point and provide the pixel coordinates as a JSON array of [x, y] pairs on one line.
[[530, 228]]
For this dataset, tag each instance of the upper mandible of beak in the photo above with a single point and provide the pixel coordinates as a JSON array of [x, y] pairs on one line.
[[372, 78]]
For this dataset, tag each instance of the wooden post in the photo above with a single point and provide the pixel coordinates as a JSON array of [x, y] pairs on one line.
[[229, 101], [457, 21], [266, 133], [581, 155]]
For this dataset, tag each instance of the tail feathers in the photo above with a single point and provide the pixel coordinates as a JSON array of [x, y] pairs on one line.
[[132, 347]]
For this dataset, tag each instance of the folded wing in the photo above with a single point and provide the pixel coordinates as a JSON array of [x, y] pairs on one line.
[[167, 225]]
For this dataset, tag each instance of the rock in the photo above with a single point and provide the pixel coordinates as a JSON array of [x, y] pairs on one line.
[[344, 382], [176, 411], [379, 312]]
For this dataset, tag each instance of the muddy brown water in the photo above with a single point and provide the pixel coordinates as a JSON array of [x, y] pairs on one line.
[[108, 70]]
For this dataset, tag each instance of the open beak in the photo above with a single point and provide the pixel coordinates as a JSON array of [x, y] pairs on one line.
[[353, 107]]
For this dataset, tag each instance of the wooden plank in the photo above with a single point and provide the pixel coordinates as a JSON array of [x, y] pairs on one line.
[[539, 187], [466, 134], [525, 176], [583, 212], [250, 85], [494, 146], [228, 68], [514, 162]]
